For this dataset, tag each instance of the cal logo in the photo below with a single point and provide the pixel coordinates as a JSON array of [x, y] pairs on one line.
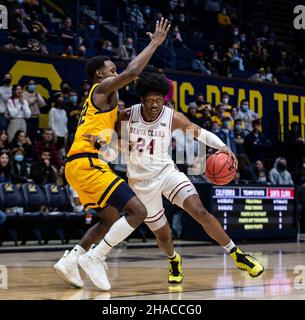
[[54, 188], [32, 188], [8, 187]]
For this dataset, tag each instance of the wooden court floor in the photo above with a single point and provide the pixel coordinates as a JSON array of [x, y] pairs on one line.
[[142, 274]]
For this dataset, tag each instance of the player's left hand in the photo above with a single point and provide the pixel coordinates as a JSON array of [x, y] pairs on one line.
[[228, 151]]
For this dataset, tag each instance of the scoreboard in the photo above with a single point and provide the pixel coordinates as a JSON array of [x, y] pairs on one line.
[[259, 211]]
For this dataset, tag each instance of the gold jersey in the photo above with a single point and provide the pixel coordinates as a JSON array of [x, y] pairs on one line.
[[93, 121]]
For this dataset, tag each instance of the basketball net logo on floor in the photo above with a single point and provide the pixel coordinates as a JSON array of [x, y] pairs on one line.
[[299, 280], [3, 277]]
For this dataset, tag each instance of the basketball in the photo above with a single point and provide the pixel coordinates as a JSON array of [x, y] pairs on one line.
[[220, 168]]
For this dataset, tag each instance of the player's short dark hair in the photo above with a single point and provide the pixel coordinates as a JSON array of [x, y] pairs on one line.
[[152, 82], [95, 63]]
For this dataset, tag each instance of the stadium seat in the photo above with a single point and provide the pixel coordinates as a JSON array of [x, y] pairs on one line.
[[10, 200]]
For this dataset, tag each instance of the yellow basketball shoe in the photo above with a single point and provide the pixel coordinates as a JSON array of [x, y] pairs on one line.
[[246, 262], [175, 269]]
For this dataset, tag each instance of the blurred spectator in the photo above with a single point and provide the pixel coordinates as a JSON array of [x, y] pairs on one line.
[[5, 94], [47, 144], [21, 140], [18, 109], [176, 38], [108, 48], [247, 115], [90, 34], [36, 102], [3, 140], [240, 134], [256, 143], [19, 166], [37, 29], [212, 6], [5, 167], [220, 114], [191, 114], [67, 34], [236, 113], [58, 121], [236, 59], [264, 76], [245, 168], [42, 171], [223, 19], [65, 90], [225, 98], [262, 177], [198, 64], [258, 166], [227, 135], [35, 46], [279, 174], [126, 52], [136, 17]]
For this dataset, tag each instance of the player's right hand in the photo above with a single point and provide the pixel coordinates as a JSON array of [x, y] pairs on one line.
[[161, 30]]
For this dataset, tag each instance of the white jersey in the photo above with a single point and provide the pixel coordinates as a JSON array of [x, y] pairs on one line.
[[149, 144]]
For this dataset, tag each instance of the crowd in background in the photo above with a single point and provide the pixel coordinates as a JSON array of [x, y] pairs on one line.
[[211, 37]]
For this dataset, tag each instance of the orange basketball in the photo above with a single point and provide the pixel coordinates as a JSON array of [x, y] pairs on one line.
[[220, 168]]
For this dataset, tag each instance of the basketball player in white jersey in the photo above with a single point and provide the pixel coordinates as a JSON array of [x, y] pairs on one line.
[[152, 173]]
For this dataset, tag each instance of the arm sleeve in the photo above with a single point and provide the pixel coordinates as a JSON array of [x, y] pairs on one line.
[[26, 110], [11, 108], [210, 139]]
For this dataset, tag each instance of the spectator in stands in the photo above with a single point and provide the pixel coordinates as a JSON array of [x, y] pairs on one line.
[[126, 52], [247, 115], [191, 114], [67, 34], [227, 135], [37, 29], [236, 59], [35, 46], [19, 166], [236, 113], [21, 140], [36, 102], [58, 121], [65, 90], [69, 53], [5, 94], [220, 114], [136, 17], [108, 48], [3, 140], [5, 167], [245, 168], [81, 52], [256, 143], [240, 134], [262, 177], [223, 19], [47, 144], [90, 34], [176, 38], [42, 171], [258, 166], [212, 6], [18, 109], [198, 64], [225, 98], [73, 110], [279, 174]]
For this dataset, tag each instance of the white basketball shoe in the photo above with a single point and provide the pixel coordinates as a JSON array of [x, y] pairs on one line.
[[67, 269], [95, 267]]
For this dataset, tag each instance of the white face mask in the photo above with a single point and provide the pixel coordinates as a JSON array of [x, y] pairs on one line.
[[225, 100]]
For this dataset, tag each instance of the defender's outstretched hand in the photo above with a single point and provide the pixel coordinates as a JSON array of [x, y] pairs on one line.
[[161, 30]]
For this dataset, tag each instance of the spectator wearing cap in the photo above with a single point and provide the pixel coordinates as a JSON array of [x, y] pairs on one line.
[[5, 94], [256, 143], [36, 102], [18, 109], [58, 121], [198, 64], [226, 134]]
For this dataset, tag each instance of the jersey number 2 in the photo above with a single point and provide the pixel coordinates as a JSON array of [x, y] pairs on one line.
[[141, 144]]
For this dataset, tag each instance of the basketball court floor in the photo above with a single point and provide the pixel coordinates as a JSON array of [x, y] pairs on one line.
[[137, 273]]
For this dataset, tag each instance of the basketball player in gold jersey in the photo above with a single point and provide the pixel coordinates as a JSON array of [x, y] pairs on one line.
[[96, 184]]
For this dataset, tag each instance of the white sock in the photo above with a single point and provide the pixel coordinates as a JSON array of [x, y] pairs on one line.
[[231, 245], [120, 230], [173, 256], [76, 252]]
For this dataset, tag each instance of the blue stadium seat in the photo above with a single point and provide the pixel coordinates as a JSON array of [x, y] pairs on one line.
[[10, 198]]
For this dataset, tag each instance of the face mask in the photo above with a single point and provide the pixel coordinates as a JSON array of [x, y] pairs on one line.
[[7, 81], [225, 100], [243, 39], [226, 124], [129, 46], [31, 87], [109, 48], [20, 1], [73, 99], [281, 167], [245, 107], [92, 26], [19, 157], [238, 127], [147, 11], [262, 179], [235, 33]]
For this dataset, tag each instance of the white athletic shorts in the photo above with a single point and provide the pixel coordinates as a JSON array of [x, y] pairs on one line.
[[171, 183]]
